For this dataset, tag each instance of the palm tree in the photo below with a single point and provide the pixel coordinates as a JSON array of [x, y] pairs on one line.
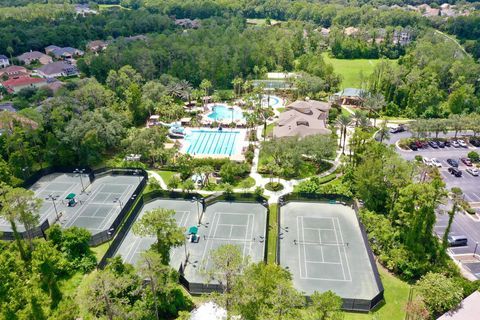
[[185, 89], [343, 121], [384, 131], [357, 116], [374, 103], [457, 197], [237, 86]]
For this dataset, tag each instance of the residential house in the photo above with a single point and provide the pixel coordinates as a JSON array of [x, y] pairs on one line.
[[188, 23], [4, 62], [350, 31], [402, 36], [54, 85], [469, 309], [15, 85], [8, 106], [428, 11], [14, 72], [325, 32], [97, 45], [63, 53], [33, 56], [349, 96], [303, 118], [83, 9], [58, 69]]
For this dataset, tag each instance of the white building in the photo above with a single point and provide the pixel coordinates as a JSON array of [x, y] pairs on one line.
[[4, 61]]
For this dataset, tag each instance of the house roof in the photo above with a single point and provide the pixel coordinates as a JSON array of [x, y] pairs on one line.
[[22, 82], [96, 43], [32, 55], [7, 107], [52, 47], [469, 309], [55, 68], [351, 92], [303, 118], [3, 57], [13, 70]]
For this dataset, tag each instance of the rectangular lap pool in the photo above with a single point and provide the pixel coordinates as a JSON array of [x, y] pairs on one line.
[[205, 142]]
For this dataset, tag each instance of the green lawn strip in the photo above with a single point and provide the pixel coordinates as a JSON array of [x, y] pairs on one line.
[[396, 297], [166, 175], [272, 234], [352, 70], [269, 129], [100, 250]]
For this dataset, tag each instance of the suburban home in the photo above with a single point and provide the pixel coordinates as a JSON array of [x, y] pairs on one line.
[[33, 56], [303, 118], [4, 62], [349, 96], [8, 106], [57, 69], [14, 72], [15, 85], [83, 9], [350, 31], [402, 36], [469, 309], [97, 45], [63, 53], [188, 23]]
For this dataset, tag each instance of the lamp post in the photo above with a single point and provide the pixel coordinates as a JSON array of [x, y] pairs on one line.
[[475, 251], [136, 172], [80, 172], [197, 200], [53, 198]]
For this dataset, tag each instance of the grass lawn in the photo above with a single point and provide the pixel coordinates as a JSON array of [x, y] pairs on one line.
[[100, 250], [269, 129], [262, 22], [166, 175], [281, 109], [352, 70], [111, 6], [396, 297], [272, 234]]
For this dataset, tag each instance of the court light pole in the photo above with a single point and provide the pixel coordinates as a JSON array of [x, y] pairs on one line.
[[475, 251], [53, 199], [198, 209], [80, 172], [117, 199]]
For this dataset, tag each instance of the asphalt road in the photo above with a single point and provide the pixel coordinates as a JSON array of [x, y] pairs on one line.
[[463, 224]]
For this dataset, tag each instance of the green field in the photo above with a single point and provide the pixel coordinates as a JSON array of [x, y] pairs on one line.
[[352, 70]]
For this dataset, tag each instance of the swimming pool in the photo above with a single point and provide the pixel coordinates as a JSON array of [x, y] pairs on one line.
[[207, 142], [273, 102], [223, 112]]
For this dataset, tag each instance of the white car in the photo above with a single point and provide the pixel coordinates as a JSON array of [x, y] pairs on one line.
[[435, 163], [427, 161], [462, 143], [472, 171], [455, 144]]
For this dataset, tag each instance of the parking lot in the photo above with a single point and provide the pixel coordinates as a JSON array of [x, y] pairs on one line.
[[463, 224]]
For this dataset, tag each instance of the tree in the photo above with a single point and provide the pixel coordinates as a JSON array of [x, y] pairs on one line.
[[343, 121], [161, 224], [457, 199], [456, 123], [206, 86], [317, 147], [325, 306], [439, 292], [374, 103], [257, 289], [18, 205], [384, 131], [237, 86], [225, 264], [416, 310]]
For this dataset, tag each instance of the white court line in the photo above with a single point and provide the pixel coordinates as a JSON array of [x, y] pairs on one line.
[[245, 238], [208, 242], [323, 229], [320, 262], [338, 249], [344, 250], [298, 249], [251, 233], [304, 248], [321, 248], [233, 225], [324, 279]]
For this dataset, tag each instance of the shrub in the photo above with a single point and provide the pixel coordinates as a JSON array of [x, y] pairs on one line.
[[473, 156], [418, 158], [274, 186]]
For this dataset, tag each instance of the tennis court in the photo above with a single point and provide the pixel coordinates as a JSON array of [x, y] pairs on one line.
[[242, 224], [185, 215], [321, 244], [98, 203]]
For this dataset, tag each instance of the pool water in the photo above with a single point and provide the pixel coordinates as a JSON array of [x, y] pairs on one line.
[[222, 112], [274, 101], [211, 142]]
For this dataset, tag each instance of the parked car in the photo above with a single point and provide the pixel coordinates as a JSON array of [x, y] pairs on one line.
[[454, 171], [436, 163], [456, 241], [455, 144], [413, 146], [448, 144], [475, 142], [397, 129], [466, 161], [426, 161], [472, 171], [462, 143], [453, 163], [419, 144], [433, 144], [441, 144]]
